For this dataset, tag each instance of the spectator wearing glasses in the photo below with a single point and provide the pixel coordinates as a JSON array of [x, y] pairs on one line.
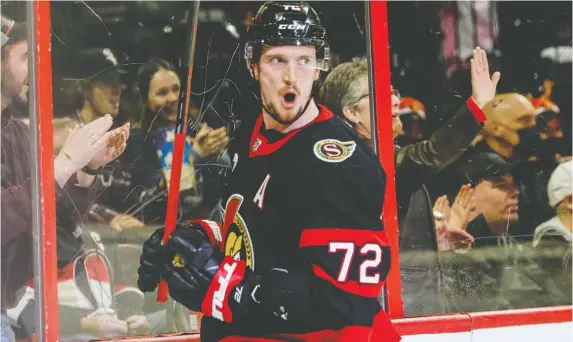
[[345, 90]]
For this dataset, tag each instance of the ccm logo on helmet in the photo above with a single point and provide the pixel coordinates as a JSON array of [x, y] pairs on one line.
[[334, 151], [292, 26], [220, 293]]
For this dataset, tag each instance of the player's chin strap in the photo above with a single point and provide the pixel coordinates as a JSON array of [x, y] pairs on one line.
[[283, 122]]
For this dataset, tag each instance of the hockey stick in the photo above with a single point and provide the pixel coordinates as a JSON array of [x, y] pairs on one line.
[[180, 136]]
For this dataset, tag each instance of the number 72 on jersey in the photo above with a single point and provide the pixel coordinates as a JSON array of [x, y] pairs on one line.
[[366, 275]]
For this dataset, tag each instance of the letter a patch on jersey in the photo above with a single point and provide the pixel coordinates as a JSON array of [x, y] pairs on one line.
[[260, 196], [334, 151]]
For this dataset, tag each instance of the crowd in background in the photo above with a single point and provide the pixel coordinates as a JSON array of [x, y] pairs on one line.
[[484, 189]]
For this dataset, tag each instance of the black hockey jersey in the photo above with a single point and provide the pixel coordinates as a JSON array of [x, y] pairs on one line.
[[309, 204]]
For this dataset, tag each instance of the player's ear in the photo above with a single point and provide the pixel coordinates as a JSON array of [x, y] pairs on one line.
[[350, 115], [254, 71]]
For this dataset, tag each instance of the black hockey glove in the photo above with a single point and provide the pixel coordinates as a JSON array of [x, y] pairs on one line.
[[151, 262], [201, 278], [151, 266], [193, 263]]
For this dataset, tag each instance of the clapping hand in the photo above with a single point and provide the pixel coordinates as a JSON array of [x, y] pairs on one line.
[[463, 206], [85, 142], [116, 144], [209, 142], [449, 234]]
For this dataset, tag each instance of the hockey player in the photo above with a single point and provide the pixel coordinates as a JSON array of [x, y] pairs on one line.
[[302, 253]]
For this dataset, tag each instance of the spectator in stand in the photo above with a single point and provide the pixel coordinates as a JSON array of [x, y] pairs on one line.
[[86, 150], [151, 147], [345, 91], [94, 88], [511, 134], [496, 196], [553, 237], [498, 272]]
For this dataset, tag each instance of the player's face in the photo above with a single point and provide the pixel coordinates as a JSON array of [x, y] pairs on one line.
[[286, 75], [164, 94], [15, 72]]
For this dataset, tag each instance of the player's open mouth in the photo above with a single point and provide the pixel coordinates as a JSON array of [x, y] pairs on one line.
[[288, 99]]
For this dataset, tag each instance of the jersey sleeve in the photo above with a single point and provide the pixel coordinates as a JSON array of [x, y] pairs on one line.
[[342, 236]]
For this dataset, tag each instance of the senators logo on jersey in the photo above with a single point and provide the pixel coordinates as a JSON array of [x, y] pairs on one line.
[[334, 151], [237, 243]]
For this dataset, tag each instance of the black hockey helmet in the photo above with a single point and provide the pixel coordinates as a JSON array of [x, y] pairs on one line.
[[286, 23]]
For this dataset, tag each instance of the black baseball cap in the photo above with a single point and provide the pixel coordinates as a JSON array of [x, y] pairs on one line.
[[484, 166], [95, 63]]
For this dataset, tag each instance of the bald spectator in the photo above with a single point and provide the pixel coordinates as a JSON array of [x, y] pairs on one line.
[[510, 133]]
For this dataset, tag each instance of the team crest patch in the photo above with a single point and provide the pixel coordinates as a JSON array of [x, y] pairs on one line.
[[238, 243], [334, 151]]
